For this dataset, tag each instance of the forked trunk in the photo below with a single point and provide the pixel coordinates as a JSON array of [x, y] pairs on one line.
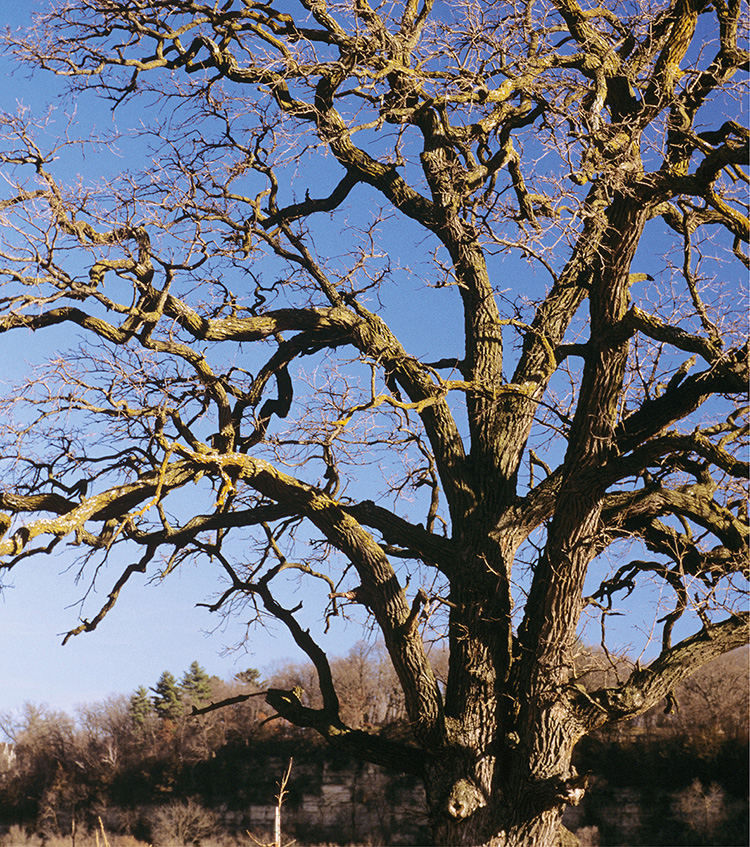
[[519, 808]]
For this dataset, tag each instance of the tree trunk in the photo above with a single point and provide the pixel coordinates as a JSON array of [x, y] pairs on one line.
[[507, 787], [528, 816]]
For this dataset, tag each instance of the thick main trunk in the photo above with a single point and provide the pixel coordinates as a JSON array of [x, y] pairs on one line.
[[505, 780], [521, 809]]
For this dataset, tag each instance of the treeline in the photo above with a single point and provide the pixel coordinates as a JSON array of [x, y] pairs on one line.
[[124, 751], [135, 751], [150, 749]]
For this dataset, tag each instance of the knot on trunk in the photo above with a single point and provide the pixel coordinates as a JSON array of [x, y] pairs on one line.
[[569, 790], [622, 701], [464, 799], [572, 790]]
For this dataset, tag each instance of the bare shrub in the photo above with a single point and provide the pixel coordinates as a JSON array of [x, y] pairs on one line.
[[702, 809], [182, 823], [17, 836]]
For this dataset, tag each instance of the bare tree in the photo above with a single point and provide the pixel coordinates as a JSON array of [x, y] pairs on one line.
[[251, 362], [365, 681]]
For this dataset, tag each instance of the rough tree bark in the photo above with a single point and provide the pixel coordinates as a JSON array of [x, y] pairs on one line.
[[567, 135]]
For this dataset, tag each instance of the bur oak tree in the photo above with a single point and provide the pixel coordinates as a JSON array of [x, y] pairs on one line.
[[433, 307]]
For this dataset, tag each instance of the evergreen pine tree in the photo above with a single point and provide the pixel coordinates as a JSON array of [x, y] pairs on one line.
[[140, 706], [196, 684], [167, 701], [251, 676]]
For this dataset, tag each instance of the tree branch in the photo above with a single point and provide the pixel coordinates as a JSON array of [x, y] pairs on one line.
[[648, 686]]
